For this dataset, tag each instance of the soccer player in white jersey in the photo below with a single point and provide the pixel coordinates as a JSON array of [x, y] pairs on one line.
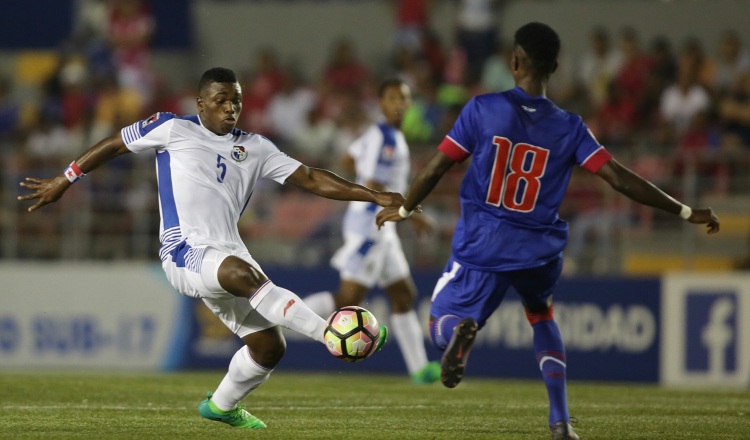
[[380, 160], [207, 170]]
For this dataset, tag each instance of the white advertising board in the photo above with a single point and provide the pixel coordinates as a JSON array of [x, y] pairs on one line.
[[85, 315], [706, 330]]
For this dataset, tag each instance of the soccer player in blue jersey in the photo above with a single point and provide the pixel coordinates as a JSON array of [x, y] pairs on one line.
[[207, 170], [370, 257], [524, 149]]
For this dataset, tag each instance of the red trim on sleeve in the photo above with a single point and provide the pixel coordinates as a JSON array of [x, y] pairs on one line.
[[596, 160], [453, 150]]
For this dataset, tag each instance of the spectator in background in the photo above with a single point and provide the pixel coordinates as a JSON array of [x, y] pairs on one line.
[[705, 66], [314, 140], [496, 74], [10, 113], [289, 108], [682, 100], [598, 66], [114, 106], [477, 24], [344, 71], [734, 115], [260, 86], [351, 121], [130, 28], [635, 67], [412, 18], [616, 117], [732, 61], [663, 72]]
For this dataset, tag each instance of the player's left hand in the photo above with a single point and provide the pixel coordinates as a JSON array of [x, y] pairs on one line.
[[46, 190], [389, 214]]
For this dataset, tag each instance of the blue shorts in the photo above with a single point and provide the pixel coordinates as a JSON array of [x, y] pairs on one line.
[[473, 293]]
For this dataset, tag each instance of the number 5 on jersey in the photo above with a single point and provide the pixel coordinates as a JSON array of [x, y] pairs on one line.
[[221, 169], [515, 164]]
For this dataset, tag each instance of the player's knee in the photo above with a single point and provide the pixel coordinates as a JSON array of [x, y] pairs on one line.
[[238, 277], [269, 354], [539, 313]]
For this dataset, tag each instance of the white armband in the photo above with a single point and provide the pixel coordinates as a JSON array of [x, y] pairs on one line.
[[686, 212], [404, 213]]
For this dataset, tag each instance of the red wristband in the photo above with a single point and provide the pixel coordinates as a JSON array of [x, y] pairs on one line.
[[73, 173]]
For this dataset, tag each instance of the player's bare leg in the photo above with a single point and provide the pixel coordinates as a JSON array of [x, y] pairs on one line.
[[278, 305]]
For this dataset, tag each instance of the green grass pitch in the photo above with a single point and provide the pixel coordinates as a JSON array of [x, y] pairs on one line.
[[351, 406]]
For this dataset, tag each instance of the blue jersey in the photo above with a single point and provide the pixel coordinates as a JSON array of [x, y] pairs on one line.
[[524, 149]]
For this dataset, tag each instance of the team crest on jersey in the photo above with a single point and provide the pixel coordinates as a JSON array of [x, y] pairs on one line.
[[386, 153], [239, 153], [151, 119]]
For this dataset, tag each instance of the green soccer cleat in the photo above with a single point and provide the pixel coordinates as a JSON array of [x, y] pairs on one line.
[[429, 374], [383, 336], [238, 417]]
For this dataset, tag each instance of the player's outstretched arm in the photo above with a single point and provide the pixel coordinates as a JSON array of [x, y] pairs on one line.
[[423, 184], [331, 186], [50, 190], [642, 191]]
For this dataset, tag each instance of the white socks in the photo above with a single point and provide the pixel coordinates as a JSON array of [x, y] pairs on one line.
[[284, 308], [321, 303], [244, 376], [408, 334]]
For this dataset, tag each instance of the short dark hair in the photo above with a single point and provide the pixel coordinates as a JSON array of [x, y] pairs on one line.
[[541, 44], [390, 82], [216, 75]]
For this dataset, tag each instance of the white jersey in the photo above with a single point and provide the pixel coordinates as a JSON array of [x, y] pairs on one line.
[[381, 155], [205, 181]]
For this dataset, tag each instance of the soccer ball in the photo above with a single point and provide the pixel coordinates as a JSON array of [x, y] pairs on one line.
[[352, 333]]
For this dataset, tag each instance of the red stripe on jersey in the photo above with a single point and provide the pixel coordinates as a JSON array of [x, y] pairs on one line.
[[453, 150], [539, 317], [596, 160]]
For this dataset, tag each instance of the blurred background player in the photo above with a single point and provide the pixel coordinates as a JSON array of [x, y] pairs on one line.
[[509, 232], [207, 170], [380, 160]]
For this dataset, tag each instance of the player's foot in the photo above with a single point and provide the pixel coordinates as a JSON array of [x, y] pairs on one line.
[[382, 337], [429, 374], [457, 353], [238, 417], [562, 430]]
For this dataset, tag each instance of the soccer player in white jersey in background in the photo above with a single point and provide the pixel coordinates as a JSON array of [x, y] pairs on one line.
[[380, 160], [207, 170]]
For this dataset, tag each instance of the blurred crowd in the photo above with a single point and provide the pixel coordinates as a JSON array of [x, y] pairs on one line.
[[665, 107]]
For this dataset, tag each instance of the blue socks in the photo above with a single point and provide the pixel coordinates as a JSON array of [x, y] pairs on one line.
[[441, 330], [550, 354]]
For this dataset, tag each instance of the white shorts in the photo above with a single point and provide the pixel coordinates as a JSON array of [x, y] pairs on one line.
[[235, 312], [371, 262]]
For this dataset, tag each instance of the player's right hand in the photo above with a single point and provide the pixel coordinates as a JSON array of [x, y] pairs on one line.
[[389, 199], [706, 217], [45, 190]]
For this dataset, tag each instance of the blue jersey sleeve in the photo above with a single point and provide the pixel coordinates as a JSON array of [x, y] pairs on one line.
[[464, 129], [590, 154]]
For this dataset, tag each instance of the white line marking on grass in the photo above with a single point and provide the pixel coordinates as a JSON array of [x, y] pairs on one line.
[[172, 408]]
